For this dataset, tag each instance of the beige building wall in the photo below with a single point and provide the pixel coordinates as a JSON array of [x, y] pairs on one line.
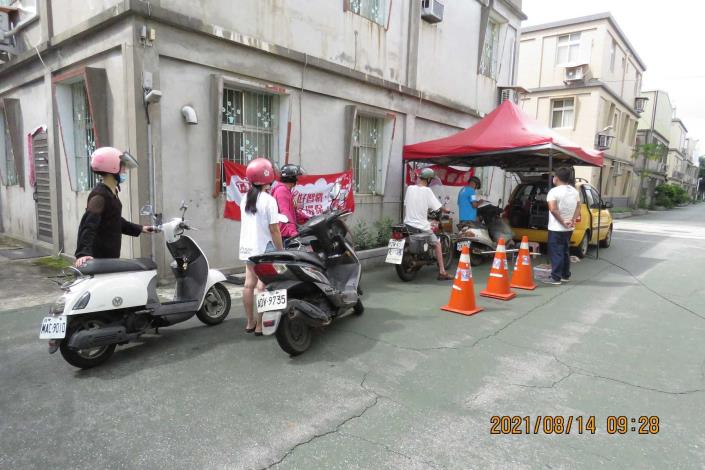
[[603, 102]]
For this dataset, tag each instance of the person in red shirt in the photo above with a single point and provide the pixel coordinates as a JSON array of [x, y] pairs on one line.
[[281, 191]]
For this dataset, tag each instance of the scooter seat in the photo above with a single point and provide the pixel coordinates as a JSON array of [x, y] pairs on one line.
[[291, 255], [117, 265]]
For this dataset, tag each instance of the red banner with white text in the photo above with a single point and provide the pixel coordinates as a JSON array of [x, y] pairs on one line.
[[445, 175], [311, 193]]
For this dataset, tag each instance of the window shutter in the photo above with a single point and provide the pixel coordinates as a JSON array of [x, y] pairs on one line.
[[350, 115], [13, 117], [97, 88]]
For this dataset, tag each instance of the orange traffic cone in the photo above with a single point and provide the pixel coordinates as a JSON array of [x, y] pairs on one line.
[[523, 275], [462, 295], [498, 283]]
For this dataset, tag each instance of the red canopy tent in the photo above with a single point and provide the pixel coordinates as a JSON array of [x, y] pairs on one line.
[[506, 138]]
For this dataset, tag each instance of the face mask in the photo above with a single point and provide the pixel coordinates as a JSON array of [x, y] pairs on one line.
[[122, 178]]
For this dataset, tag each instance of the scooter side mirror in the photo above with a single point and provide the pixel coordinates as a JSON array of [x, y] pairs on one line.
[[183, 208]]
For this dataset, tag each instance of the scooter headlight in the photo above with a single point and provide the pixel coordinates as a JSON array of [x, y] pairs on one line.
[[82, 301]]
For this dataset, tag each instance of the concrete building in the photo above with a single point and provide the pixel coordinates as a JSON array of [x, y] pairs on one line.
[[653, 141], [583, 78], [692, 168], [677, 153], [330, 85]]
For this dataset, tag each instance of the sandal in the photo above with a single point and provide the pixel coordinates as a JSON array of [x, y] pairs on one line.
[[250, 330], [445, 277]]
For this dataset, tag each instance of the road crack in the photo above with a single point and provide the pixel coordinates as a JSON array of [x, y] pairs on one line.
[[578, 370], [650, 289], [364, 410]]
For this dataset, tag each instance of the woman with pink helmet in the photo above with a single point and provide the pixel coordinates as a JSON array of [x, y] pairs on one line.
[[259, 232], [102, 226]]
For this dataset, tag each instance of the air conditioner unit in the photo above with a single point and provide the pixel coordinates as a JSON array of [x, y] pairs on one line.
[[508, 94], [603, 141], [575, 73], [431, 11]]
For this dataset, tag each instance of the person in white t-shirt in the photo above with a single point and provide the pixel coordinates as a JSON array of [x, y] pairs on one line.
[[564, 209], [259, 233], [419, 199]]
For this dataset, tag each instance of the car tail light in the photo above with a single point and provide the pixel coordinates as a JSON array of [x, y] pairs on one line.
[[397, 235], [269, 269]]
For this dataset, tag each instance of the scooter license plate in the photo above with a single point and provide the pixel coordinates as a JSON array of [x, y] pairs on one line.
[[53, 327], [269, 301], [395, 251], [463, 244]]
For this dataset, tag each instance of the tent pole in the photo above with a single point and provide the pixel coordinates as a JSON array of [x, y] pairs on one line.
[[599, 217], [550, 168]]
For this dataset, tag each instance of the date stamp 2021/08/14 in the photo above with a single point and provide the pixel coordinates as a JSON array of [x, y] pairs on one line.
[[643, 425]]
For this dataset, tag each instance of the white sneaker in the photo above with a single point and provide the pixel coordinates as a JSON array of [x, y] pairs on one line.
[[551, 282], [565, 280]]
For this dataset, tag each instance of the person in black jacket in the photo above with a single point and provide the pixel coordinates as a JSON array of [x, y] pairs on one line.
[[102, 226]]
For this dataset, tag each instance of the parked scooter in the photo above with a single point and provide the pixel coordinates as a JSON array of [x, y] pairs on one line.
[[114, 301], [409, 251], [311, 284], [482, 236]]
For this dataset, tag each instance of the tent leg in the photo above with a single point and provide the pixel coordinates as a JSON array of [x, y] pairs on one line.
[[550, 169], [599, 217]]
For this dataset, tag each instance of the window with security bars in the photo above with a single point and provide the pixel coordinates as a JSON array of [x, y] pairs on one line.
[[248, 125], [367, 146], [9, 173], [84, 137], [373, 10]]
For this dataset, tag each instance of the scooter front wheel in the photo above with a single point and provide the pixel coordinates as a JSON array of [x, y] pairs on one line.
[[293, 335], [85, 358], [216, 305]]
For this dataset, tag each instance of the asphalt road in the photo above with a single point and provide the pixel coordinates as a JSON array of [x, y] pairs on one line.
[[404, 386]]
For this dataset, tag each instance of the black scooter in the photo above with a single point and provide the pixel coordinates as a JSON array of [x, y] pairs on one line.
[[313, 283]]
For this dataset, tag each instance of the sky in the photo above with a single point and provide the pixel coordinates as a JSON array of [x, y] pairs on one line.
[[668, 36]]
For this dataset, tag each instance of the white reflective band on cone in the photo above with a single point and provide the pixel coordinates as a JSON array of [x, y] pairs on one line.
[[524, 245], [496, 275], [456, 287], [501, 249], [464, 258]]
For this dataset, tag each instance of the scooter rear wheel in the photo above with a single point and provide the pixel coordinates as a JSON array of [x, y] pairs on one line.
[[85, 358], [406, 270], [216, 305], [293, 335]]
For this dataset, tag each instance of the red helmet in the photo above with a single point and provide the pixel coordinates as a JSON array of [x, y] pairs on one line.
[[260, 171]]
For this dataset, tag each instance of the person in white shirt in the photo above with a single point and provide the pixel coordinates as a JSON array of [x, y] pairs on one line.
[[419, 199], [564, 209], [259, 233]]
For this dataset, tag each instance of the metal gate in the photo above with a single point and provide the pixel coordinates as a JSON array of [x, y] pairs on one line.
[[42, 195]]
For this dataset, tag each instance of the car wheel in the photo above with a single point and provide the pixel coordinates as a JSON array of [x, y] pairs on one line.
[[608, 239], [582, 248]]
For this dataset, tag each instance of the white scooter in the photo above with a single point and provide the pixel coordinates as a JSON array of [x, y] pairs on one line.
[[482, 237], [114, 301]]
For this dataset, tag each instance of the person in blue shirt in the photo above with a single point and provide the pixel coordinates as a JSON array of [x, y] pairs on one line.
[[468, 201]]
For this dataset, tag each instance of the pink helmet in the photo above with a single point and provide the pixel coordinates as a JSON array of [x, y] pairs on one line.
[[260, 172], [109, 159]]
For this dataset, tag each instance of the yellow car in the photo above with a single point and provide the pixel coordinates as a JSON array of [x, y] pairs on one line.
[[527, 213]]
